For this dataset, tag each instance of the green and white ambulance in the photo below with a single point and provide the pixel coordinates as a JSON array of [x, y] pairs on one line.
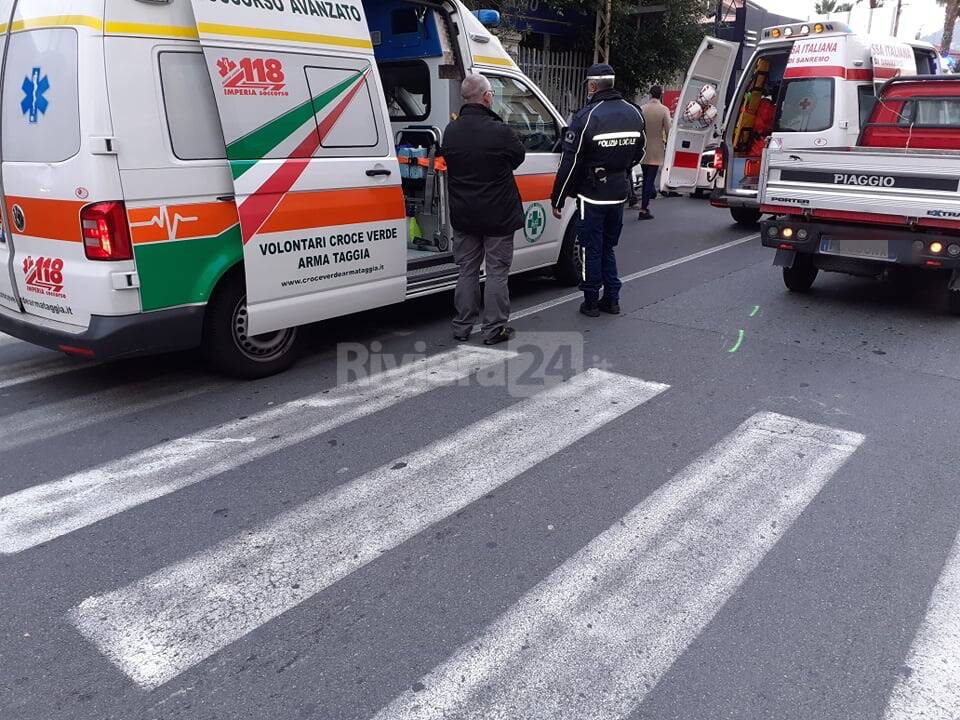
[[216, 173]]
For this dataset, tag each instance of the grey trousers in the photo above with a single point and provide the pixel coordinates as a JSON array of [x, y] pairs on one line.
[[469, 251]]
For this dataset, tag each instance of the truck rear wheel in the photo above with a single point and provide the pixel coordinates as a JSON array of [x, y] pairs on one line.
[[569, 267], [746, 217], [800, 277], [227, 345]]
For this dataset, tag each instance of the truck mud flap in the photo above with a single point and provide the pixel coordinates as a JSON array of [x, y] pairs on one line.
[[785, 258], [954, 280]]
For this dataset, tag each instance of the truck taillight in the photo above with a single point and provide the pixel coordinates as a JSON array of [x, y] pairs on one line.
[[720, 158], [106, 235]]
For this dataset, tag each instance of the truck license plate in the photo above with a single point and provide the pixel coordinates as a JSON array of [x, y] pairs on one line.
[[872, 249]]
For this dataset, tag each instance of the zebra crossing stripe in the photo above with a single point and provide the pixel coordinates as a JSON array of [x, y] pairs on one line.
[[44, 512], [25, 371], [171, 620], [58, 418], [930, 689], [593, 638]]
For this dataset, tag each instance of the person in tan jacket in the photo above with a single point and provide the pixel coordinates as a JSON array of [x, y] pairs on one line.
[[657, 118]]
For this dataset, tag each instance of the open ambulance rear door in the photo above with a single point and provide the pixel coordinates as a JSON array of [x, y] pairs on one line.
[[315, 173], [891, 59], [706, 85]]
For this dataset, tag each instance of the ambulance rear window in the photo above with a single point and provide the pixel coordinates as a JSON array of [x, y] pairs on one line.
[[806, 105], [41, 107]]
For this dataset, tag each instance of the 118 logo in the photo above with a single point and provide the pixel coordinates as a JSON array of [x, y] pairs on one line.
[[44, 275], [252, 76]]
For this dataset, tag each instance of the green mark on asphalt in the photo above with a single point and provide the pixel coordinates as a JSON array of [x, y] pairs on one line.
[[738, 343], [755, 311]]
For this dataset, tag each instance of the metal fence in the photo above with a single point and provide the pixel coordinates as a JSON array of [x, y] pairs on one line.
[[559, 74]]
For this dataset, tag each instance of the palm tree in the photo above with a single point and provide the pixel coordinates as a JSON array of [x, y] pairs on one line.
[[951, 9], [826, 7]]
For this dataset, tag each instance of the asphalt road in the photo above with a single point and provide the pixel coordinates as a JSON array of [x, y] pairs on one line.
[[728, 502]]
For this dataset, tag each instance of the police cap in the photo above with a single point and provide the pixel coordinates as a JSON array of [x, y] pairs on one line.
[[600, 71]]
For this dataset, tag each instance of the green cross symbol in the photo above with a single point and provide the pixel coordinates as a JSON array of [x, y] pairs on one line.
[[535, 222]]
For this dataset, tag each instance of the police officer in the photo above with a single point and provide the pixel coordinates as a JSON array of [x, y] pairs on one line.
[[604, 141]]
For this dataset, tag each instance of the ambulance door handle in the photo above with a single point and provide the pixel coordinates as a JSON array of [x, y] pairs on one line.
[[377, 172], [227, 198]]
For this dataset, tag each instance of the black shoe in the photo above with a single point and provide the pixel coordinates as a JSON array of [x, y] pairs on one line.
[[612, 308], [645, 215], [461, 337], [590, 308], [502, 335]]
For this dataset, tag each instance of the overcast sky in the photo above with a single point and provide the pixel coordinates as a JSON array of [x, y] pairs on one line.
[[924, 16]]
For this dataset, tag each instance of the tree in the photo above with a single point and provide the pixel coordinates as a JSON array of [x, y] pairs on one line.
[[951, 10], [648, 47], [826, 7]]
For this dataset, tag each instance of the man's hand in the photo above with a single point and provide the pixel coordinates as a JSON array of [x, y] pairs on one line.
[[557, 213]]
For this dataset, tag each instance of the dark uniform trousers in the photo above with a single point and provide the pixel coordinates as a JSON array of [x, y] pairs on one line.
[[599, 232]]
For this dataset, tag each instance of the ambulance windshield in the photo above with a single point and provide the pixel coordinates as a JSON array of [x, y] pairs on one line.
[[806, 105]]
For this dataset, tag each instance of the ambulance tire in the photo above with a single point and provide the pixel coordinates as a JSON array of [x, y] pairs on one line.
[[745, 217], [229, 349], [800, 277], [569, 268]]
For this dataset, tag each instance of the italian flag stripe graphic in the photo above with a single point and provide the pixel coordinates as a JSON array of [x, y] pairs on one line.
[[256, 145], [257, 208]]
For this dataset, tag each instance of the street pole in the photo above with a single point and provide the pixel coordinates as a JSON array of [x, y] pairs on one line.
[[601, 41], [716, 19], [896, 18]]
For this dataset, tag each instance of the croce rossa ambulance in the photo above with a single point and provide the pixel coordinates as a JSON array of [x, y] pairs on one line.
[[216, 173], [807, 85]]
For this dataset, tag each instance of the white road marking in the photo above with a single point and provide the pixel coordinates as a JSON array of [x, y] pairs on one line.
[[526, 312], [44, 512], [24, 371], [932, 689], [593, 638], [164, 624], [58, 418]]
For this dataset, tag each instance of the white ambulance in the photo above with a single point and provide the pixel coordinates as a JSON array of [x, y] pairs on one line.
[[807, 85], [215, 173]]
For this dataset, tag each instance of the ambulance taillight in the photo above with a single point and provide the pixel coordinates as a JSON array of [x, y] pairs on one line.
[[106, 235]]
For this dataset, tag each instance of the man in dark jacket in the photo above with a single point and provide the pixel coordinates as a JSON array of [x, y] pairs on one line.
[[604, 141], [482, 152]]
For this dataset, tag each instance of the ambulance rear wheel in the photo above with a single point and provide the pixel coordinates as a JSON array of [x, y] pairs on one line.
[[569, 267], [746, 217], [230, 348], [800, 277]]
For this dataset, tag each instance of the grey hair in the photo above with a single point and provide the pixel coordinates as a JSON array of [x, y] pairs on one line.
[[473, 88], [604, 83]]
